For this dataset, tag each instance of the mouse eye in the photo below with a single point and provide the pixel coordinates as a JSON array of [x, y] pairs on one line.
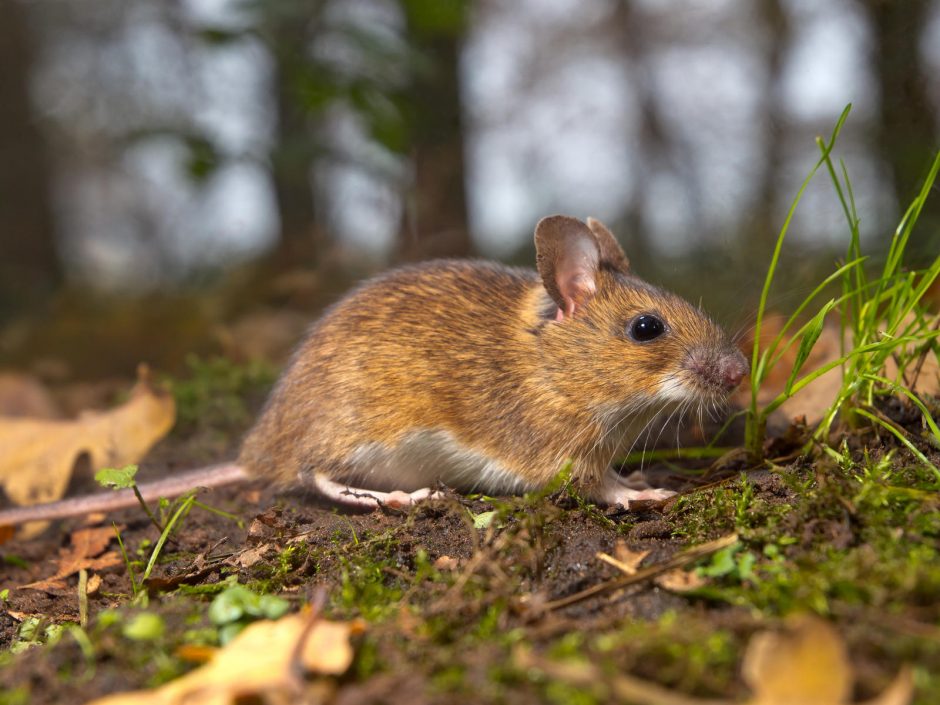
[[646, 328]]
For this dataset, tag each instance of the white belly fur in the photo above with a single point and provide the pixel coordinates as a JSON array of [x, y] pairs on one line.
[[427, 457]]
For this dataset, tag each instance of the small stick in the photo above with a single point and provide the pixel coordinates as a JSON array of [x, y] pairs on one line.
[[677, 561], [297, 669]]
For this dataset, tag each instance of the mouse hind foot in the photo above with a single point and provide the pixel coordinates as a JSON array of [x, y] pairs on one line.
[[368, 500]]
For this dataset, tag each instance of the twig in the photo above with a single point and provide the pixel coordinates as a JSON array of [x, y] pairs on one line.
[[639, 576], [83, 598], [296, 667], [625, 688]]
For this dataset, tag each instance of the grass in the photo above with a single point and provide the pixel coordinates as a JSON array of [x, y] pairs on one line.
[[881, 316]]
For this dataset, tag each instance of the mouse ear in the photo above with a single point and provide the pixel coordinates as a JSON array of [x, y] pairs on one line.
[[612, 253], [567, 257]]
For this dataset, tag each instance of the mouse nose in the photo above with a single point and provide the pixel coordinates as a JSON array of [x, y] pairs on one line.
[[721, 368], [731, 369]]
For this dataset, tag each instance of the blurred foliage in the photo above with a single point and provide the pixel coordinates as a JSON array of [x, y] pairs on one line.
[[216, 395], [344, 62]]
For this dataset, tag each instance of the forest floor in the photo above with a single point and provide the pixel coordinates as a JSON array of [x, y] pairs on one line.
[[463, 600]]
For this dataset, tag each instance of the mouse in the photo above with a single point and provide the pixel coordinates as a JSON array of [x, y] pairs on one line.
[[478, 377]]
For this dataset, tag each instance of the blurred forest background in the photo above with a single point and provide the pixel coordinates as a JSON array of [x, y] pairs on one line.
[[202, 175]]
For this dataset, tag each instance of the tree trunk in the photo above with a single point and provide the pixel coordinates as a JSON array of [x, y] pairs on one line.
[[293, 154], [435, 213], [29, 265], [757, 241], [907, 134]]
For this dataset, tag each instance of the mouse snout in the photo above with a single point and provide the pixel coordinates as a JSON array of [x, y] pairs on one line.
[[724, 369], [732, 369]]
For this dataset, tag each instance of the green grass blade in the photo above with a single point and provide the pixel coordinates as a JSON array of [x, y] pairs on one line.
[[901, 437], [899, 389], [184, 506], [754, 417], [813, 331], [819, 372], [803, 305]]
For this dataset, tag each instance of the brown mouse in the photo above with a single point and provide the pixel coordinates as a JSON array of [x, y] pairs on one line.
[[479, 377]]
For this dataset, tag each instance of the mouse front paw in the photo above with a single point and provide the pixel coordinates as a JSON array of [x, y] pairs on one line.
[[625, 495]]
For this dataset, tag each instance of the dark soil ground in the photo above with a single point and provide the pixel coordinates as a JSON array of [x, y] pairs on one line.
[[449, 598]]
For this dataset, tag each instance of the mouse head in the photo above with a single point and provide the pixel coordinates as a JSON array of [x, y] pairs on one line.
[[615, 343]]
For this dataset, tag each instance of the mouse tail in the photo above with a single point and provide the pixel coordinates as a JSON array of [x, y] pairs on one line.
[[168, 487]]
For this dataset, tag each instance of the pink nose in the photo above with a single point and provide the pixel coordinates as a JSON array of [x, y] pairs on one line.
[[731, 370]]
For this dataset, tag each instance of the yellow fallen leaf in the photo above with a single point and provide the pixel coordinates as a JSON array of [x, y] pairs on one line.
[[37, 456], [257, 665], [807, 664]]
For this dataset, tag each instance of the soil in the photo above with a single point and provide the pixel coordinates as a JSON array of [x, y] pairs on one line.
[[449, 599]]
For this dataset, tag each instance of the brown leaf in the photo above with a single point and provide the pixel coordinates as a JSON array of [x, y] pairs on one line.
[[85, 552], [680, 581], [624, 560], [251, 556], [257, 665], [446, 563], [37, 457], [94, 583], [815, 398]]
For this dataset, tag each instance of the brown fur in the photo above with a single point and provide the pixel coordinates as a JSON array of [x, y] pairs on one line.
[[472, 348]]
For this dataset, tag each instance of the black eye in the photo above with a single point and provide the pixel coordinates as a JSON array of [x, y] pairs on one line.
[[646, 328]]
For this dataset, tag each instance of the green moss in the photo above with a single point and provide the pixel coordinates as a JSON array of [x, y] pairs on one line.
[[855, 538], [449, 679], [562, 693], [15, 696]]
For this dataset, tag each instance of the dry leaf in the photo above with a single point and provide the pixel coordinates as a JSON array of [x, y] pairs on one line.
[[631, 558], [446, 563], [195, 653], [256, 665], [85, 551], [680, 581], [94, 583], [250, 556], [624, 560], [807, 664], [814, 399], [37, 456]]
